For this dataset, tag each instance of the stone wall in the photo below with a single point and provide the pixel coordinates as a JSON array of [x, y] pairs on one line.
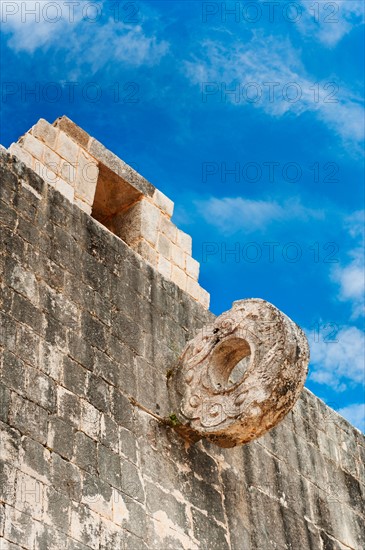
[[88, 334], [101, 184]]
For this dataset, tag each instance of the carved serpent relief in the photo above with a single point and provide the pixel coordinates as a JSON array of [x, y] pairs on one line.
[[239, 376]]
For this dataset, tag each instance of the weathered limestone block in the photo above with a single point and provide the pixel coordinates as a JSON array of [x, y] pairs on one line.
[[192, 267], [33, 146], [60, 161], [87, 178], [45, 132], [240, 376], [168, 228], [184, 241], [163, 203], [140, 221], [21, 153], [67, 148]]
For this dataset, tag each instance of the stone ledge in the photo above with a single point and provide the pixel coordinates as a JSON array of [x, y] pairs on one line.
[[103, 155]]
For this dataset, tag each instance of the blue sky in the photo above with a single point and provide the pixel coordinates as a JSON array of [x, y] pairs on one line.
[[252, 122]]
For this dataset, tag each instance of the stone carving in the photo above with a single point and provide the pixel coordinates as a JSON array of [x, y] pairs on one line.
[[240, 376]]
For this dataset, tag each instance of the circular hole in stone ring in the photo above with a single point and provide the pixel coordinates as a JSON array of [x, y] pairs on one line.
[[229, 363]]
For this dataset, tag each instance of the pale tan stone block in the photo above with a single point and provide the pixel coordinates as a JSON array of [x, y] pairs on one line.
[[177, 256], [193, 288], [83, 205], [87, 167], [150, 221], [71, 129], [164, 246], [65, 188], [197, 292], [52, 160], [147, 252], [141, 220], [21, 154], [168, 228], [32, 145], [45, 132], [86, 194], [179, 277], [86, 177], [204, 298], [164, 203], [45, 173], [67, 148], [192, 267], [164, 267], [184, 241], [68, 172]]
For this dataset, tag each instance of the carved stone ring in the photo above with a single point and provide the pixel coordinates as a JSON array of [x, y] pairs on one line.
[[240, 376]]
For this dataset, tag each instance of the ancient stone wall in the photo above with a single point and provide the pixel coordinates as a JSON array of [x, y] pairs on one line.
[[101, 184], [89, 332]]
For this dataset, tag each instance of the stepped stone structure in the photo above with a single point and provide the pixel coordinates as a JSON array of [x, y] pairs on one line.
[[101, 184], [99, 297]]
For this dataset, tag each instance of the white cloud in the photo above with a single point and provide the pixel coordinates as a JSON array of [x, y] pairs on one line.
[[337, 353], [93, 36], [355, 414], [329, 22], [31, 24], [345, 118], [351, 280], [351, 277], [281, 85], [230, 215], [355, 225], [122, 43], [337, 356]]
